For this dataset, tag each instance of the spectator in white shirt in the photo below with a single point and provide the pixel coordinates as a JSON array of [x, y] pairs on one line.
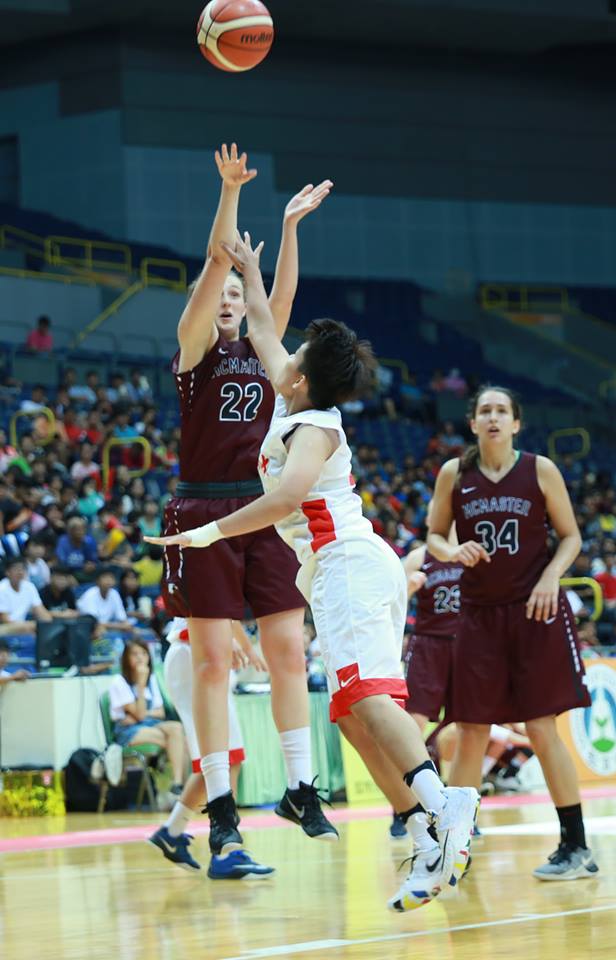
[[19, 599], [85, 466], [5, 676], [103, 602], [37, 568], [138, 713]]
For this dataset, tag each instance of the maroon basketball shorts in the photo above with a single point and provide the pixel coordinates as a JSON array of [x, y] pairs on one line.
[[507, 668], [429, 661], [217, 582]]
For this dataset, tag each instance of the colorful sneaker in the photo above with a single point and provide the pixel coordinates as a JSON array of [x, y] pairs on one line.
[[454, 826], [303, 806], [568, 863], [397, 827], [224, 835], [236, 866], [175, 848], [423, 883]]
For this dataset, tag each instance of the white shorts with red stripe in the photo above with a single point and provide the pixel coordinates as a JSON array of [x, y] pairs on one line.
[[178, 680], [359, 603]]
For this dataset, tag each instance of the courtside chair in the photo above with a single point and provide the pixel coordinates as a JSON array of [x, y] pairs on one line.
[[140, 755]]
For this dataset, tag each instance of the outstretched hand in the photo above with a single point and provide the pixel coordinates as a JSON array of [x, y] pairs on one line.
[[232, 168], [243, 257], [306, 201], [173, 540]]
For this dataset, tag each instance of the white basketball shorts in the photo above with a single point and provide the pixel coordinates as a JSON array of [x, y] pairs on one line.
[[359, 602]]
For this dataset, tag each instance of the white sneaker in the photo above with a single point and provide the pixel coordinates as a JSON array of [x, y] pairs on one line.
[[112, 760], [568, 863], [423, 882], [454, 826]]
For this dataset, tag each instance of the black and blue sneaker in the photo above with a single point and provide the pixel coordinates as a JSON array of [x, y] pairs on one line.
[[236, 865], [175, 849], [303, 806], [224, 835]]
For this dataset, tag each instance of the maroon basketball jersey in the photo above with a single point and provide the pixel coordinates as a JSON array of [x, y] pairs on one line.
[[508, 518], [438, 601], [226, 404]]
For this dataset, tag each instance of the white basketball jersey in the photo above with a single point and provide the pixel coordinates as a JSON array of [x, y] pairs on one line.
[[332, 511]]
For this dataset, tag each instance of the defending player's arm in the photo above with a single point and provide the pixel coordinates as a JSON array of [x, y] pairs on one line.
[[543, 601], [310, 447], [197, 332], [284, 287], [412, 565], [441, 519], [261, 325]]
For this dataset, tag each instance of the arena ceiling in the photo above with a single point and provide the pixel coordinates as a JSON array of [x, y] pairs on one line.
[[511, 26]]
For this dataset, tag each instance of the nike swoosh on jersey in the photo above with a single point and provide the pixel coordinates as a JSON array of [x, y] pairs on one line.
[[426, 566], [551, 620], [220, 350], [468, 489], [345, 683]]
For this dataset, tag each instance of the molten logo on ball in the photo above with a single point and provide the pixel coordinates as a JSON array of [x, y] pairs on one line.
[[235, 35]]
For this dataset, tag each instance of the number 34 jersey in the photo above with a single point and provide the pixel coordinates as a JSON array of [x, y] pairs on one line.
[[438, 601], [226, 404], [509, 519]]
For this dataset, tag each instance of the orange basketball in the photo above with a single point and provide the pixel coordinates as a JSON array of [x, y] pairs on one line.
[[235, 35]]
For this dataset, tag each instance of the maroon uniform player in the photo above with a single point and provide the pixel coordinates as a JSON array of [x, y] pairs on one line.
[[517, 653], [430, 651], [226, 404]]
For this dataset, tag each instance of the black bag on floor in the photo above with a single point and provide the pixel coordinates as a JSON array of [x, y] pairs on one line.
[[82, 794]]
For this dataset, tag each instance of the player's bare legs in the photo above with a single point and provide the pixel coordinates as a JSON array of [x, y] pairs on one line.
[[384, 773], [211, 646], [472, 742], [556, 763], [282, 643]]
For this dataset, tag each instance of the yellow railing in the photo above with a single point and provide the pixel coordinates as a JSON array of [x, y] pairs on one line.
[[597, 593], [113, 307], [15, 237], [31, 414], [89, 254], [580, 432], [149, 276], [526, 299], [126, 442]]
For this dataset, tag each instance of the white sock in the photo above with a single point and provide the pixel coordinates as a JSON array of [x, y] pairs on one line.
[[486, 765], [429, 790], [297, 756], [178, 819], [418, 825], [215, 770]]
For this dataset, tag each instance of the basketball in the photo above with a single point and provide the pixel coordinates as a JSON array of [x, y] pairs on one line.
[[235, 35]]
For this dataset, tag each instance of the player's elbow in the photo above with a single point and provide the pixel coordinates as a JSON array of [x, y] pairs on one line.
[[287, 500]]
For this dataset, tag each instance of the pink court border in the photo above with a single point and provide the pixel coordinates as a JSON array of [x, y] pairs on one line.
[[264, 820]]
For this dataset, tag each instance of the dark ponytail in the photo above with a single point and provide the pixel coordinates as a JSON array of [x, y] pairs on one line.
[[470, 457]]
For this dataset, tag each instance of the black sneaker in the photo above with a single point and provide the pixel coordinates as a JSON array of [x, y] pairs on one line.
[[224, 835], [303, 806]]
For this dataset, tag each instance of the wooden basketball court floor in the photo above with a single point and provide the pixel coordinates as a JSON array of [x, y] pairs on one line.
[[87, 887]]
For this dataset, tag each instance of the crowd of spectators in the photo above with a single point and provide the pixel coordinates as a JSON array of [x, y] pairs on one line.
[[74, 527]]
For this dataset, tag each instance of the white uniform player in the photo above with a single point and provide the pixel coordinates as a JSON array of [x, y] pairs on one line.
[[178, 680], [352, 579]]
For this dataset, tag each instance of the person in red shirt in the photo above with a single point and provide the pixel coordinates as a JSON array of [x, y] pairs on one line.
[[607, 579], [40, 339]]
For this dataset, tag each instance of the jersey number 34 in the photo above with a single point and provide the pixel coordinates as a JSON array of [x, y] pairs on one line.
[[507, 537]]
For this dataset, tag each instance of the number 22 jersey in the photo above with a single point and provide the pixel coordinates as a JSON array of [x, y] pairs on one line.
[[508, 518]]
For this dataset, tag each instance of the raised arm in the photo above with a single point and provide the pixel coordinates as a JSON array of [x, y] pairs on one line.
[[287, 265], [261, 325], [197, 332]]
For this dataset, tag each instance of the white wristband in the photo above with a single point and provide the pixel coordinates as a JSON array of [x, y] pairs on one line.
[[204, 536]]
